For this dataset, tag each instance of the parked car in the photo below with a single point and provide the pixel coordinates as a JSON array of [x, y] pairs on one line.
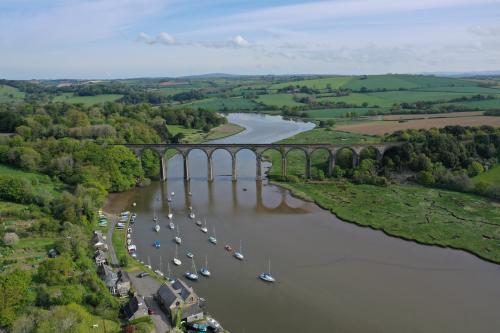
[[143, 274], [151, 311]]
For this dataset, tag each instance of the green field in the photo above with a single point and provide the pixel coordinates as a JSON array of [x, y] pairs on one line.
[[358, 99], [41, 183], [87, 100], [338, 113], [419, 96], [428, 216], [10, 94], [279, 100], [491, 176], [483, 105], [321, 83], [222, 104]]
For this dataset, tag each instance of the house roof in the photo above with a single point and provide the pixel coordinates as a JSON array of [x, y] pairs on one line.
[[135, 305], [191, 310], [182, 289], [108, 275], [167, 295]]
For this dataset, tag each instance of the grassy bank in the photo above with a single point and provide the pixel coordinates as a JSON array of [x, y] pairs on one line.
[[428, 216], [197, 136]]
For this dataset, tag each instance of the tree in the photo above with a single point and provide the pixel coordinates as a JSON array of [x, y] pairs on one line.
[[13, 295], [475, 168], [425, 177], [55, 271], [150, 163]]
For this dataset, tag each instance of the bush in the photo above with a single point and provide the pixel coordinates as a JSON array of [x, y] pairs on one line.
[[292, 179]]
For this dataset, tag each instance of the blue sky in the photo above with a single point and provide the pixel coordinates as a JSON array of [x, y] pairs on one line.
[[137, 38]]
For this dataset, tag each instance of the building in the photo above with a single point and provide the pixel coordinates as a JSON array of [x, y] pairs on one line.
[[117, 283], [180, 298], [99, 241], [100, 258], [136, 308], [123, 284], [109, 277]]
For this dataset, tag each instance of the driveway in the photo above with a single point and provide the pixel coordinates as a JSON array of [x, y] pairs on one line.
[[147, 287]]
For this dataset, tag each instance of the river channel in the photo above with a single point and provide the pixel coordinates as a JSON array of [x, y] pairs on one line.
[[331, 276]]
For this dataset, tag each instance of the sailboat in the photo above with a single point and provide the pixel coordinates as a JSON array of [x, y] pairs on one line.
[[176, 261], [239, 254], [169, 199], [204, 270], [178, 238], [172, 194], [170, 216], [267, 276], [169, 276], [149, 263], [190, 255], [204, 228], [171, 225], [158, 271], [198, 223], [192, 275], [157, 227], [213, 239], [191, 214]]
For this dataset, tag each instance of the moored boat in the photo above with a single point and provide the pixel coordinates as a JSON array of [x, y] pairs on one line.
[[192, 275], [213, 239], [204, 270], [157, 243], [267, 277], [239, 254], [176, 260]]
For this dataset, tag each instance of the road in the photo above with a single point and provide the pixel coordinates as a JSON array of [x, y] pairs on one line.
[[145, 287]]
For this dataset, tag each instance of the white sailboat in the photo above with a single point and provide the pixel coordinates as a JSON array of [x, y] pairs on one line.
[[157, 227], [176, 260], [198, 223], [267, 276], [213, 238], [171, 225], [191, 214], [159, 271], [204, 228], [192, 275], [178, 238], [239, 254], [169, 277], [204, 270]]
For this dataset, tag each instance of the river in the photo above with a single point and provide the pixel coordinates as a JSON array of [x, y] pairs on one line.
[[331, 276]]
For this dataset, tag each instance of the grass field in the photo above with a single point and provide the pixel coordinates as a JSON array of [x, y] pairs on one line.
[[87, 100], [197, 136], [222, 104], [338, 113], [383, 127], [483, 105], [359, 99], [491, 176], [428, 216], [10, 94], [279, 100], [42, 184]]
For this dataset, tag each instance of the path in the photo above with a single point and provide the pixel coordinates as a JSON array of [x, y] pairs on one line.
[[112, 220]]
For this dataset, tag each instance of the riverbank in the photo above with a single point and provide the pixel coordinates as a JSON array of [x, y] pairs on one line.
[[427, 216]]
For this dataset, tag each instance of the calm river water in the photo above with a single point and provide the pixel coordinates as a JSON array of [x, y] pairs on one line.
[[331, 276]]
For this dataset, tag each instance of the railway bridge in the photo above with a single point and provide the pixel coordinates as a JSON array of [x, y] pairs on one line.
[[259, 149]]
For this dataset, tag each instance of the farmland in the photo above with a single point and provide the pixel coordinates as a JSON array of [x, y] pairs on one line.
[[9, 94], [383, 127], [87, 100]]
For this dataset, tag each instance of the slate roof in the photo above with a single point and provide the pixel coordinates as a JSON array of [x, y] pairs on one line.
[[182, 289], [167, 295]]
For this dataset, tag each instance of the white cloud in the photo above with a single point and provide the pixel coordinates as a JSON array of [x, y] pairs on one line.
[[162, 38], [485, 31], [165, 38], [239, 41], [145, 38]]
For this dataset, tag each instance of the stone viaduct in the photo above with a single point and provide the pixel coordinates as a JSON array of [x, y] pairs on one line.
[[259, 149]]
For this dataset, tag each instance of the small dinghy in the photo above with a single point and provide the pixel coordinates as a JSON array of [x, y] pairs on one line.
[[157, 228], [190, 255], [228, 248], [198, 223], [171, 225], [157, 243], [170, 216]]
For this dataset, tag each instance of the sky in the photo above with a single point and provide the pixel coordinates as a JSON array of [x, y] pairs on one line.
[[48, 39]]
